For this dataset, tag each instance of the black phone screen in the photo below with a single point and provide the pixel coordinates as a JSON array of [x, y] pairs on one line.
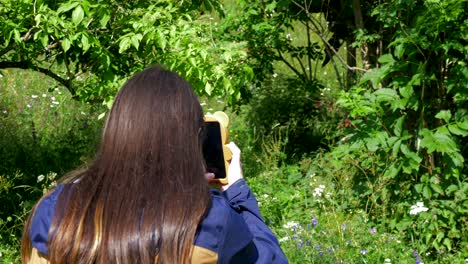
[[213, 150]]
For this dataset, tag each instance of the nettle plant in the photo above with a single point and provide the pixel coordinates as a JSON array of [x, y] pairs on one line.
[[408, 139]]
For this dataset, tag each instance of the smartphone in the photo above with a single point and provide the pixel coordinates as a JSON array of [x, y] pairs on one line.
[[213, 150]]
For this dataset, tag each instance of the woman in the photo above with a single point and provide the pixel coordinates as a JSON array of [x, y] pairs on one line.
[[145, 199]]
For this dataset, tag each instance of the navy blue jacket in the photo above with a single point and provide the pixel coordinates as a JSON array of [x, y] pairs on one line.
[[232, 232]]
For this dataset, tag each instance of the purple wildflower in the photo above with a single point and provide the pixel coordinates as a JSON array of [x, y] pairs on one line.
[[294, 237], [363, 251], [343, 227], [299, 244], [373, 230], [315, 222], [416, 255]]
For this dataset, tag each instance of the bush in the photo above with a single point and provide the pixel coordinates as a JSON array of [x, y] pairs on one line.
[[288, 103]]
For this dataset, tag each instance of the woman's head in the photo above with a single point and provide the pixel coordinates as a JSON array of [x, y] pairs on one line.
[[145, 194], [155, 112]]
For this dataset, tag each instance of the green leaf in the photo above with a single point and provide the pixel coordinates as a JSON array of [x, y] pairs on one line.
[[104, 20], [418, 187], [208, 88], [396, 148], [444, 115], [45, 40], [77, 15], [415, 80], [427, 193], [437, 141], [84, 42], [457, 159], [399, 50], [66, 44], [162, 42], [455, 129], [463, 125], [67, 7], [135, 39], [452, 188], [101, 116], [192, 62], [437, 188], [447, 243], [17, 36], [398, 127], [392, 171], [248, 72], [124, 44], [410, 154], [386, 58], [372, 144], [407, 92], [386, 94]]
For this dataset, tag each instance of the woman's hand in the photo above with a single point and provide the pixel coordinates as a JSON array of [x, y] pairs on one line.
[[235, 168]]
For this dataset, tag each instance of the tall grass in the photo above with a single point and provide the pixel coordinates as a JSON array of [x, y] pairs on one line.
[[43, 134]]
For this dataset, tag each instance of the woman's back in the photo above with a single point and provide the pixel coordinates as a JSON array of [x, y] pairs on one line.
[[145, 199]]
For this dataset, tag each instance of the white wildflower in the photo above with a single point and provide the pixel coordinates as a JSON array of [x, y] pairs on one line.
[[52, 106], [5, 112], [275, 75], [34, 96], [59, 92], [52, 98], [418, 208], [202, 104], [319, 190], [291, 225], [44, 95], [283, 239], [40, 178], [83, 113], [265, 196], [387, 260], [28, 105], [55, 102]]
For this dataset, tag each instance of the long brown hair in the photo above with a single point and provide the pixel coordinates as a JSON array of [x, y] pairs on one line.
[[145, 194]]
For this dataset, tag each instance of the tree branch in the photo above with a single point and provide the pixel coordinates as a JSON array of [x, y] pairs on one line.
[[29, 66], [289, 64]]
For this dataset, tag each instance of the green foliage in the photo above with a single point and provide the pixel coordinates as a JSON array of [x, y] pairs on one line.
[[91, 47], [266, 28], [410, 138]]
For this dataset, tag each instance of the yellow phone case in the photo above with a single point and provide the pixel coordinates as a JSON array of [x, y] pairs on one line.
[[223, 121]]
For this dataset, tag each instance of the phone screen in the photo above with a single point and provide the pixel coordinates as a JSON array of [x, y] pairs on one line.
[[213, 150]]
